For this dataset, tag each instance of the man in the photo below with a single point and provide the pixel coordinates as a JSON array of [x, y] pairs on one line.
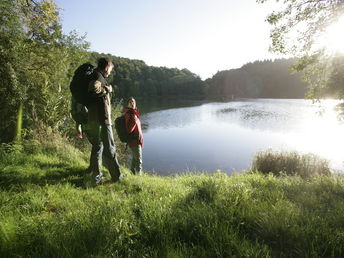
[[99, 123]]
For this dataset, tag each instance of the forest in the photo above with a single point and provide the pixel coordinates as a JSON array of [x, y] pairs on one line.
[[135, 78], [260, 79]]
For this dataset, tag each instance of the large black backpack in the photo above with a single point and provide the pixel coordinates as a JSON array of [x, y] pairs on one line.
[[79, 84]]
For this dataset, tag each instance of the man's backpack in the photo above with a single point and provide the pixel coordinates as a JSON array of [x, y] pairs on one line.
[[79, 84], [121, 129], [79, 112]]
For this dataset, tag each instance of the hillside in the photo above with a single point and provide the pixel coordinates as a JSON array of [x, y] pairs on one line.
[[260, 79]]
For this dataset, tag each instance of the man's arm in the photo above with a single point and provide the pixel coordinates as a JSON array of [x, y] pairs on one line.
[[97, 89]]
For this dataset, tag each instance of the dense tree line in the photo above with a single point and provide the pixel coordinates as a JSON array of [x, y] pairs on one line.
[[260, 79], [135, 78]]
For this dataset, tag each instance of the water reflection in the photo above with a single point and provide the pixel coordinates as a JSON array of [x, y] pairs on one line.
[[226, 110], [178, 117], [270, 115], [225, 136], [152, 110]]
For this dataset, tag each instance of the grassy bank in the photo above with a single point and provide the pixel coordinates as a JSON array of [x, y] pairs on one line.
[[46, 211]]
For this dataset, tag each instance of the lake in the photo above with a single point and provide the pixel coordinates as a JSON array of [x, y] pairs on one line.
[[192, 136]]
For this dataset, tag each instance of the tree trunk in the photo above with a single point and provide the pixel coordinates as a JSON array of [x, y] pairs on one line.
[[19, 126]]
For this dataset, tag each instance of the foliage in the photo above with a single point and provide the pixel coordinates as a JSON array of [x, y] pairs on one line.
[[46, 211], [260, 79], [306, 19], [290, 163], [297, 27], [37, 62], [336, 79]]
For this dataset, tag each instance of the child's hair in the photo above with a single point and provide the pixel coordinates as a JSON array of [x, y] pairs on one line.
[[131, 98]]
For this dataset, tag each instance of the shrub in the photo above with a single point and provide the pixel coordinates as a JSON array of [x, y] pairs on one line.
[[290, 163]]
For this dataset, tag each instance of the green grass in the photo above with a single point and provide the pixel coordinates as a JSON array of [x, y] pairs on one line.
[[46, 211]]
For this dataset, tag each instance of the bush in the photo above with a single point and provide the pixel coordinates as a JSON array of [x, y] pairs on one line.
[[290, 163]]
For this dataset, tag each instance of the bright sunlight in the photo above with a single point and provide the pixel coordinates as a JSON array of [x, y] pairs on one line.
[[333, 39], [321, 134]]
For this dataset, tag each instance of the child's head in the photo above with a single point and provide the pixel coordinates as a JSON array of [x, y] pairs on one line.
[[131, 103]]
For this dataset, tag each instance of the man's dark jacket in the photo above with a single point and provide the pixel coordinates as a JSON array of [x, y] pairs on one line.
[[99, 112]]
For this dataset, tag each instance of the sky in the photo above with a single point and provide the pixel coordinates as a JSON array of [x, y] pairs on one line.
[[203, 36]]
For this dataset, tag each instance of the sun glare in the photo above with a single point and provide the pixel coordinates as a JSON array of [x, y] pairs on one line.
[[321, 134], [333, 39]]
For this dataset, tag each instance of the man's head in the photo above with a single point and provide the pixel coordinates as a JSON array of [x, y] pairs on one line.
[[105, 65]]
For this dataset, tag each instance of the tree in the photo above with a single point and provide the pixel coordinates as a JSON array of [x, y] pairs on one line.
[[296, 29], [37, 62], [336, 80]]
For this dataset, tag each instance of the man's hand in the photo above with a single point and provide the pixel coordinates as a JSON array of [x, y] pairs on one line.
[[108, 88]]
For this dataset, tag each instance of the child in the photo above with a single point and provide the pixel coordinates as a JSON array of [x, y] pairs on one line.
[[133, 125]]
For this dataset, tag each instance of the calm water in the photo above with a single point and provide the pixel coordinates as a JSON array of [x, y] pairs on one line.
[[225, 136]]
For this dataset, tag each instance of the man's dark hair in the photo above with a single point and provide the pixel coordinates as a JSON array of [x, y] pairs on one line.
[[104, 62]]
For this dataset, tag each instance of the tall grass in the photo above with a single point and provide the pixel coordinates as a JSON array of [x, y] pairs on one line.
[[290, 163], [46, 211]]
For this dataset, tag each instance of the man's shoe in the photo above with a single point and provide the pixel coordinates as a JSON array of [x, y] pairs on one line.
[[99, 178]]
